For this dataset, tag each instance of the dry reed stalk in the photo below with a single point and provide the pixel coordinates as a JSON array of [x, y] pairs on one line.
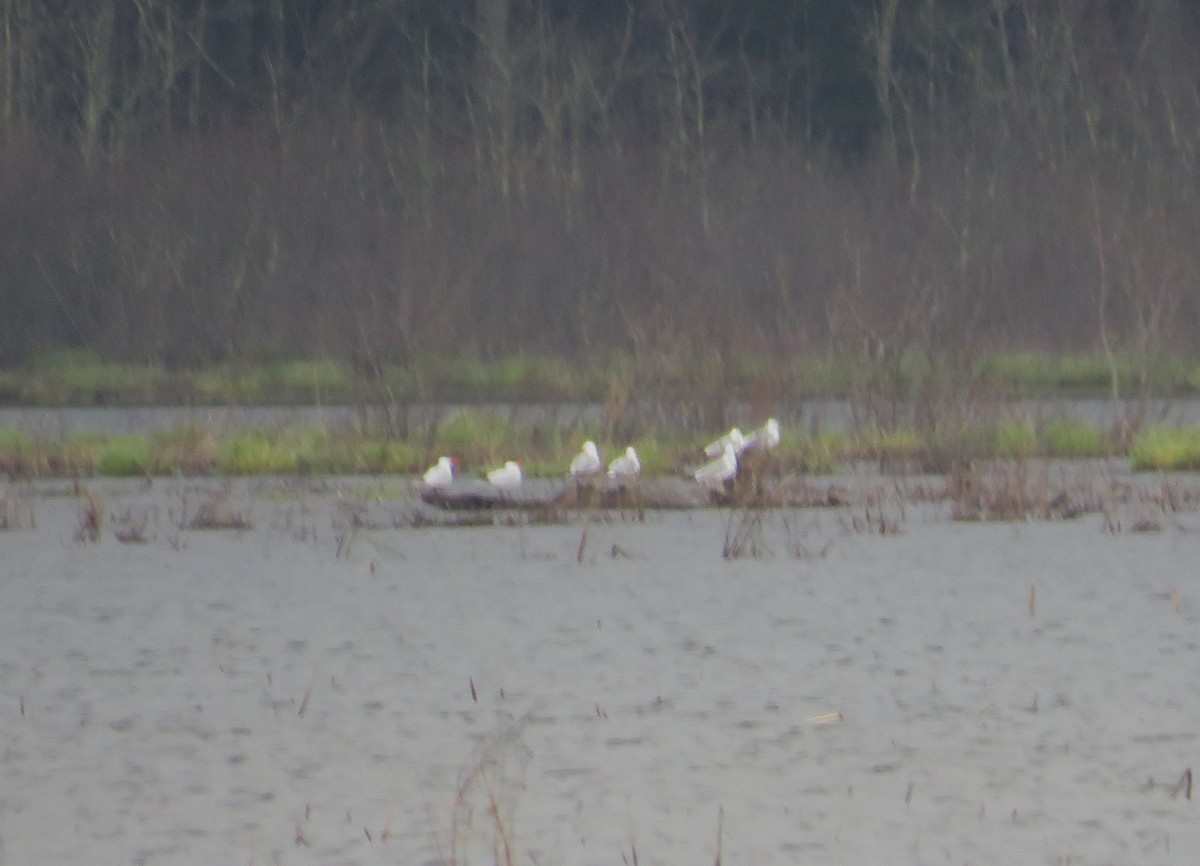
[[16, 509], [1184, 785], [491, 774], [312, 684], [131, 526], [1032, 599], [1146, 524], [583, 540], [215, 513], [720, 833], [91, 517], [746, 537], [588, 515]]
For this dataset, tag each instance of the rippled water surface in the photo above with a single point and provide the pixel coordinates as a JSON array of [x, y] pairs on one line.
[[812, 414], [304, 693]]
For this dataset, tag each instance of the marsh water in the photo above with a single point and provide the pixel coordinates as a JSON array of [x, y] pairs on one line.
[[810, 415], [308, 691]]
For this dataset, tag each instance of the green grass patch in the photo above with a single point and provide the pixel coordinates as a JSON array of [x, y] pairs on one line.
[[189, 450], [1191, 381], [819, 376], [383, 458], [255, 452], [472, 430], [12, 441], [124, 456], [226, 384], [814, 455], [1166, 449], [898, 444], [1091, 373], [81, 377], [1073, 438], [316, 380], [1014, 439]]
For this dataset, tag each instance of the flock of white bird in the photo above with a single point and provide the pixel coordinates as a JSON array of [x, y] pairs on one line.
[[725, 452]]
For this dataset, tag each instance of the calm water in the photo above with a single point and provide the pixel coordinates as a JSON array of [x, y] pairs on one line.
[[56, 422], [954, 693]]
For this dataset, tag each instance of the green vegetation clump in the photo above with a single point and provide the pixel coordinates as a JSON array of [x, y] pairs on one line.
[[1070, 437], [1088, 373], [82, 377], [385, 458], [224, 383], [470, 429], [1045, 373], [1166, 449], [316, 380], [188, 450], [1192, 381], [124, 456], [898, 444], [1015, 439], [15, 441], [255, 452]]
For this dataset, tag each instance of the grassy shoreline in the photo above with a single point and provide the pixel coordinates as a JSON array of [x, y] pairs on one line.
[[962, 430], [482, 440], [83, 378]]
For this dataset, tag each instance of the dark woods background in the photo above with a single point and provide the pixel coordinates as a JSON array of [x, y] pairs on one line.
[[183, 181]]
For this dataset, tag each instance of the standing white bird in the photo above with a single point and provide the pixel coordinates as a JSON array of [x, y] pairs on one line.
[[714, 475], [507, 477], [586, 462], [625, 466], [764, 438], [734, 437], [440, 474]]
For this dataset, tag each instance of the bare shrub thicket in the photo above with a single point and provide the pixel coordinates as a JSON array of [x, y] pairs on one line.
[[652, 186]]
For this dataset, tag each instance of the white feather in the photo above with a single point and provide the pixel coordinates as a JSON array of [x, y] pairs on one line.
[[716, 473], [625, 466], [439, 474], [507, 477], [587, 461]]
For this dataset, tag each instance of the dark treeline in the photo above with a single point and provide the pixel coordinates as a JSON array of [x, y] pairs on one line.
[[186, 181]]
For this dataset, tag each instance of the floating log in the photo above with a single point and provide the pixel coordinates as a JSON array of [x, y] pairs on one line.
[[663, 493], [655, 493]]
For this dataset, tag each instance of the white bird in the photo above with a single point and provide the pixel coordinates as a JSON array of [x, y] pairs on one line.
[[586, 462], [439, 474], [715, 474], [507, 477], [625, 466], [764, 438], [733, 437]]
